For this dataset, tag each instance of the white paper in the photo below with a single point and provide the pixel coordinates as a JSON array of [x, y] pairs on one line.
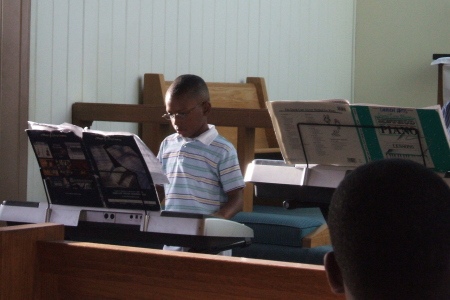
[[445, 77], [327, 144], [334, 132]]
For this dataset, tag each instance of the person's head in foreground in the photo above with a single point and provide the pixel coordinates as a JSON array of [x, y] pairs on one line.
[[188, 105], [389, 223]]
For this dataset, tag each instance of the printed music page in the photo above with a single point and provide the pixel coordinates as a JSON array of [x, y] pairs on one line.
[[416, 134], [316, 132], [333, 132]]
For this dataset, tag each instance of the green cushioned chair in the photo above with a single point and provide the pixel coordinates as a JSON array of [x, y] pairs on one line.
[[279, 233]]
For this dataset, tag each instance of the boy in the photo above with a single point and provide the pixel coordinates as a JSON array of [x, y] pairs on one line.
[[201, 165]]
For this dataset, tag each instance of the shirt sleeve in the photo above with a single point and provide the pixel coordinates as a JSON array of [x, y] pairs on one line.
[[230, 172]]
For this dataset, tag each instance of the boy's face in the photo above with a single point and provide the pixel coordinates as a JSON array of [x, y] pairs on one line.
[[194, 121]]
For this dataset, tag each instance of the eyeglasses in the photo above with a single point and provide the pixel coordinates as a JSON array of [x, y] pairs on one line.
[[181, 116]]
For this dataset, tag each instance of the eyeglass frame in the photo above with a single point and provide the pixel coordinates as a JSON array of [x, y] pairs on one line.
[[169, 116]]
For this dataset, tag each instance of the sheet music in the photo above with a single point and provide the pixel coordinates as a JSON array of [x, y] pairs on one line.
[[96, 168], [333, 132], [329, 145], [153, 164]]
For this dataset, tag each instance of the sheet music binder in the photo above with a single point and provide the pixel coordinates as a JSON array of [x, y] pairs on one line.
[[93, 171], [335, 132], [414, 130]]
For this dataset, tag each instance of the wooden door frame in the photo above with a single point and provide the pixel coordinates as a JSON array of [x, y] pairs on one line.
[[14, 97]]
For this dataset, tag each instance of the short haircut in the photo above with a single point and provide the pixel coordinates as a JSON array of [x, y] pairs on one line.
[[192, 85], [389, 222]]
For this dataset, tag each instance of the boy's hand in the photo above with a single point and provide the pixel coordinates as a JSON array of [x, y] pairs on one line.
[[233, 206]]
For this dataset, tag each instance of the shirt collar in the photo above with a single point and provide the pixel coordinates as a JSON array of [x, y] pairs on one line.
[[206, 137]]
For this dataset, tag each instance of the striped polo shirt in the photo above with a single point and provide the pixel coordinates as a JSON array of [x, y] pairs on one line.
[[200, 170]]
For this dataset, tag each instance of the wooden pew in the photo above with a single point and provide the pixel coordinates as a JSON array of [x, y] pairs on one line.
[[77, 270], [238, 111], [18, 253]]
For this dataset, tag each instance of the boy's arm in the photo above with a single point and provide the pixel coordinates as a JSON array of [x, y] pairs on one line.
[[234, 205]]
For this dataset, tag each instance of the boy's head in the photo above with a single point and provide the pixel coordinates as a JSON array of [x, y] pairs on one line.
[[187, 105], [389, 222]]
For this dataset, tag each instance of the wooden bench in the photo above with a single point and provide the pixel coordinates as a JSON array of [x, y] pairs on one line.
[[238, 111], [37, 264]]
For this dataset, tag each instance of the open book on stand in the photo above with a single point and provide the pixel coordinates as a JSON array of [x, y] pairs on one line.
[[335, 132], [83, 167]]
